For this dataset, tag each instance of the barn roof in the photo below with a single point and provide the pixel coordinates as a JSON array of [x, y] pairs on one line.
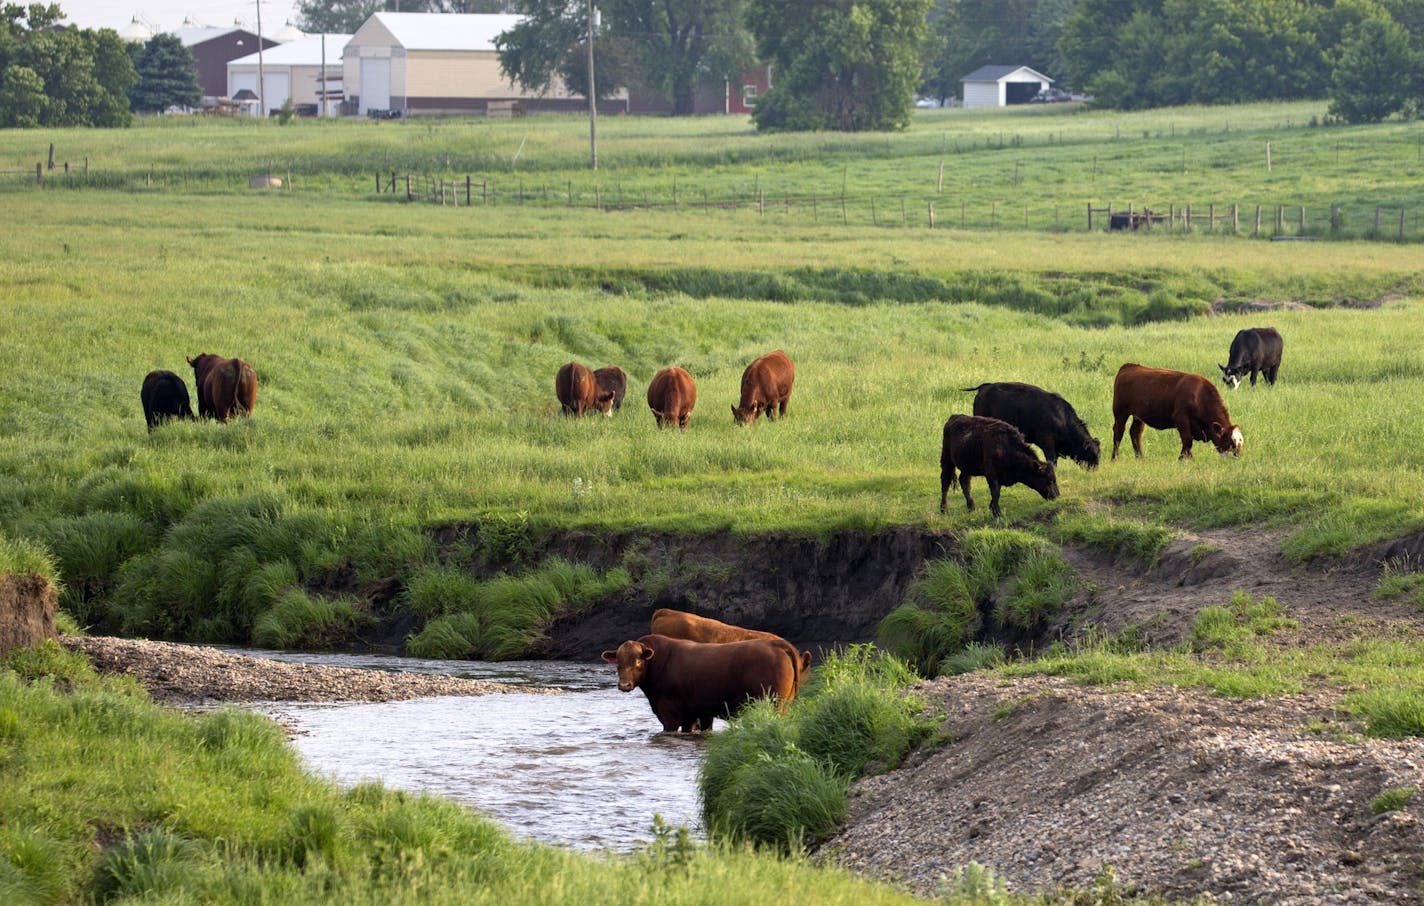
[[446, 31], [303, 52], [995, 73], [197, 34]]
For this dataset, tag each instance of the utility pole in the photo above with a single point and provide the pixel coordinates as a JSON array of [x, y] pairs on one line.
[[261, 75], [592, 97]]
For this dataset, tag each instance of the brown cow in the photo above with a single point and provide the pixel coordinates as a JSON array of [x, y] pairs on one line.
[[1163, 399], [164, 396], [576, 389], [679, 624], [224, 386], [766, 387], [612, 385], [671, 395], [996, 450], [688, 684]]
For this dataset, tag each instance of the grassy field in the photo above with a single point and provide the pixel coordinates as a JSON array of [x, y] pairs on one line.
[[406, 355]]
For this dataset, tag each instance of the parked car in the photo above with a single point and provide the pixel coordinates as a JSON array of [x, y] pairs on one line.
[[1050, 96]]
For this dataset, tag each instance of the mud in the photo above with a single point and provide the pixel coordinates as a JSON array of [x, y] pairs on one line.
[[27, 610]]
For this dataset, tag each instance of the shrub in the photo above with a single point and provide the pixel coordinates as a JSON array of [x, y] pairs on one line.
[[974, 656], [450, 637], [147, 865], [436, 590]]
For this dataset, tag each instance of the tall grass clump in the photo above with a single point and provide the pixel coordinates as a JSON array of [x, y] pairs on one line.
[[21, 556], [1232, 628], [782, 781], [1124, 539], [1006, 581], [1403, 581], [300, 620]]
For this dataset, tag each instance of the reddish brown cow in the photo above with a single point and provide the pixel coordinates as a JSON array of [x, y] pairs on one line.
[[671, 395], [996, 450], [612, 385], [225, 386], [576, 389], [766, 387], [1162, 399], [679, 624], [688, 684]]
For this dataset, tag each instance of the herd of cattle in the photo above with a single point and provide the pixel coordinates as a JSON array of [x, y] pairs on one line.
[[226, 387]]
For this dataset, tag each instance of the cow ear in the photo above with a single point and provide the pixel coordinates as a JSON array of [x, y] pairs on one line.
[[190, 359], [611, 657], [1216, 429], [1222, 367], [647, 653]]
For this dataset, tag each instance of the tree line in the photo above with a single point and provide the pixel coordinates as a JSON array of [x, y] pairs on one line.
[[848, 65]]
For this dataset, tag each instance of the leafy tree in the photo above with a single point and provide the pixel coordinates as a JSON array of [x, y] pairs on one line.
[[672, 47], [971, 33], [84, 75], [1377, 74], [167, 75], [848, 65], [345, 16]]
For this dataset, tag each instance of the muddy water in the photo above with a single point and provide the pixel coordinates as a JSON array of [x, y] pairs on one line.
[[587, 769]]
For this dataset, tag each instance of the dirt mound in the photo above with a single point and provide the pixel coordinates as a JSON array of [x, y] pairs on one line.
[[1182, 794], [27, 609]]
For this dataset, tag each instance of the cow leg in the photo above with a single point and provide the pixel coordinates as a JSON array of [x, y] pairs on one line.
[[1271, 375], [770, 412], [1050, 451], [964, 486], [1118, 425], [1135, 432], [994, 496], [782, 408], [1186, 432], [946, 478], [1253, 375]]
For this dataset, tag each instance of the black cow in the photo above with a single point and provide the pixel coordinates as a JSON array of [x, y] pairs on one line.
[[1045, 418], [164, 396], [1254, 349], [996, 450]]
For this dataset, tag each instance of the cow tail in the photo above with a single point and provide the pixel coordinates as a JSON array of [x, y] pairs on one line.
[[795, 656], [972, 389]]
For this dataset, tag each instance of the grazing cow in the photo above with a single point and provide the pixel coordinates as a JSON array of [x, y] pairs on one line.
[[679, 624], [1253, 349], [225, 386], [688, 684], [995, 450], [1045, 418], [671, 395], [576, 389], [1162, 399], [164, 396], [766, 387], [612, 385]]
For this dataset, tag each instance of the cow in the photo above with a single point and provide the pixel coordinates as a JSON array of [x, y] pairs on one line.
[[671, 395], [225, 386], [679, 624], [1044, 418], [766, 387], [1160, 398], [1254, 349], [164, 396], [576, 389], [612, 385], [996, 450], [688, 684]]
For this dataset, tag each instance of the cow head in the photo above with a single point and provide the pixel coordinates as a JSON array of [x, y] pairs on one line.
[[1089, 453], [1230, 376], [1042, 477], [632, 660], [1227, 439], [603, 402], [745, 416]]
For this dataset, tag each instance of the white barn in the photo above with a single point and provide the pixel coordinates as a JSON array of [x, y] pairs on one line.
[[436, 63], [999, 86], [293, 70]]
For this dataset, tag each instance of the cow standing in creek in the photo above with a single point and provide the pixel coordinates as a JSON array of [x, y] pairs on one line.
[[1253, 350], [688, 684], [679, 624], [995, 450], [1162, 399]]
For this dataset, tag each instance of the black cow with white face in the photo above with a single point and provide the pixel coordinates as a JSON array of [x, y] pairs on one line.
[[1254, 350], [1044, 418]]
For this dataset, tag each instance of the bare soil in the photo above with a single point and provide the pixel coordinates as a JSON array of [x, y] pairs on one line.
[[1183, 794], [27, 610]]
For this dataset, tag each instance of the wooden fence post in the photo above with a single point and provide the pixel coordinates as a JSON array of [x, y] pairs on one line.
[[39, 174], [51, 155], [378, 182], [1280, 220], [939, 183], [1090, 217], [1334, 218], [931, 210], [467, 190], [1401, 224], [1376, 220], [1256, 231], [1302, 220], [1211, 217], [1235, 219]]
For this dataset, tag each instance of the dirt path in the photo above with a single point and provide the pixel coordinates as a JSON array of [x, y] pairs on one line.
[[196, 674], [1182, 793]]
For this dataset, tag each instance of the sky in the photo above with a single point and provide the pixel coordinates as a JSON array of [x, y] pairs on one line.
[[167, 15]]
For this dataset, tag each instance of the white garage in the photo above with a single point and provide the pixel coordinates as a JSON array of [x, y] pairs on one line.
[[999, 86], [294, 71]]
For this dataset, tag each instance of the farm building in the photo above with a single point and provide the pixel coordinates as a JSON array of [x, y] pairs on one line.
[[428, 63], [293, 70], [737, 94], [213, 48], [999, 86]]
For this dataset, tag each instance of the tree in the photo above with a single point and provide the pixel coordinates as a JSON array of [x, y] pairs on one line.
[[971, 33], [672, 47], [849, 65], [345, 16], [84, 76], [167, 76], [1377, 73]]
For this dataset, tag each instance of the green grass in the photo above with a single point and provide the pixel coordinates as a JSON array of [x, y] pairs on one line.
[[23, 557], [1393, 800], [1401, 581], [108, 797]]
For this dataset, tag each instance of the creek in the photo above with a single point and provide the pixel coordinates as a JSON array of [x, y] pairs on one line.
[[588, 768]]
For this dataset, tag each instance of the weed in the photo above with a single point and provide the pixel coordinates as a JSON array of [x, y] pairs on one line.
[[1392, 800]]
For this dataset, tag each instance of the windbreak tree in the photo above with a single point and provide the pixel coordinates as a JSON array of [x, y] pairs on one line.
[[167, 76], [1377, 74], [847, 65], [82, 76]]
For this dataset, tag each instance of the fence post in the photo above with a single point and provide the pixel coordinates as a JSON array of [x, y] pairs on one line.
[[815, 215], [1257, 230], [1187, 219], [598, 197], [939, 184], [1376, 220], [1211, 217], [1334, 218], [51, 155], [1268, 157], [1090, 217], [1302, 220], [467, 190], [378, 182], [931, 208], [874, 220], [86, 165], [39, 174], [761, 202], [408, 195], [1401, 224], [1280, 220], [1235, 219]]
